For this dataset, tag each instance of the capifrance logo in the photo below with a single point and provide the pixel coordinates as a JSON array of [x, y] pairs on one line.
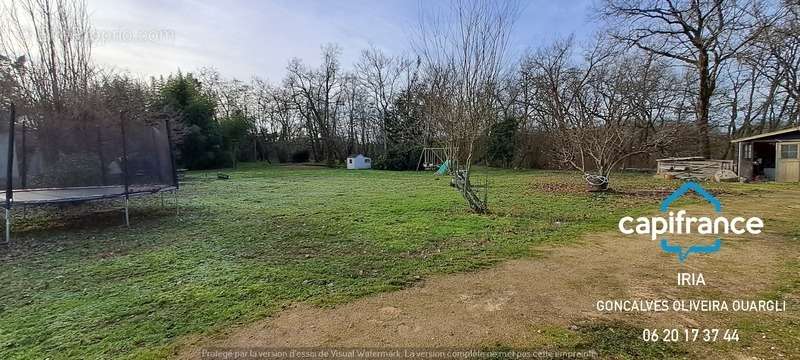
[[678, 222]]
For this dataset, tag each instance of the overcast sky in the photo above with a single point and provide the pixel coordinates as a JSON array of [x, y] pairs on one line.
[[242, 38]]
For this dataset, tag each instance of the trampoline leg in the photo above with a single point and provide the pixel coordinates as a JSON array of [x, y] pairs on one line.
[[127, 218], [8, 226]]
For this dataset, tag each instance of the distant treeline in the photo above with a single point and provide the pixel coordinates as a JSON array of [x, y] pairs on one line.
[[678, 78]]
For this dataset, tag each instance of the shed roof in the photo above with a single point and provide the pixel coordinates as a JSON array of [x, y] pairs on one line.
[[769, 134]]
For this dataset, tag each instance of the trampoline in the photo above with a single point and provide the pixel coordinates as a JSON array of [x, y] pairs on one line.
[[81, 194], [73, 159]]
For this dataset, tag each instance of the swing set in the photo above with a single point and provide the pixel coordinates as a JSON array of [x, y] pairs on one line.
[[444, 161], [433, 158]]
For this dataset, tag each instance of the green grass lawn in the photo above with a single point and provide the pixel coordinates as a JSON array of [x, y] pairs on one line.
[[240, 249]]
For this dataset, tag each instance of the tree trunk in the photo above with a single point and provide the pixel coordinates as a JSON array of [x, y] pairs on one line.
[[703, 105]]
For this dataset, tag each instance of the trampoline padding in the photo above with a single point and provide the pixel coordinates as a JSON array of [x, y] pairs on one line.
[[79, 194]]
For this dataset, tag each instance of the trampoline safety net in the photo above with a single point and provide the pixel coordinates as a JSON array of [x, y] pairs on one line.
[[80, 157]]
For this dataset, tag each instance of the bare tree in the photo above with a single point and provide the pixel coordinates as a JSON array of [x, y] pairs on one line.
[[356, 110], [601, 112], [381, 76], [275, 110], [464, 52], [317, 95], [776, 55], [52, 39], [703, 34]]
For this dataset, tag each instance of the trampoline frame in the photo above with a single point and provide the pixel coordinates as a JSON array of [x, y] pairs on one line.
[[127, 192]]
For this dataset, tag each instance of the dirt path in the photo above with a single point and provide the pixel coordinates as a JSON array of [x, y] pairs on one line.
[[511, 303]]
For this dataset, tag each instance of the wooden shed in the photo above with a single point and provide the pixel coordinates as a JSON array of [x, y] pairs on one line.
[[359, 162], [772, 156]]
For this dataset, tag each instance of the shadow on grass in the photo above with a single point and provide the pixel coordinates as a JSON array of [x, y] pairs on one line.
[[89, 226]]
